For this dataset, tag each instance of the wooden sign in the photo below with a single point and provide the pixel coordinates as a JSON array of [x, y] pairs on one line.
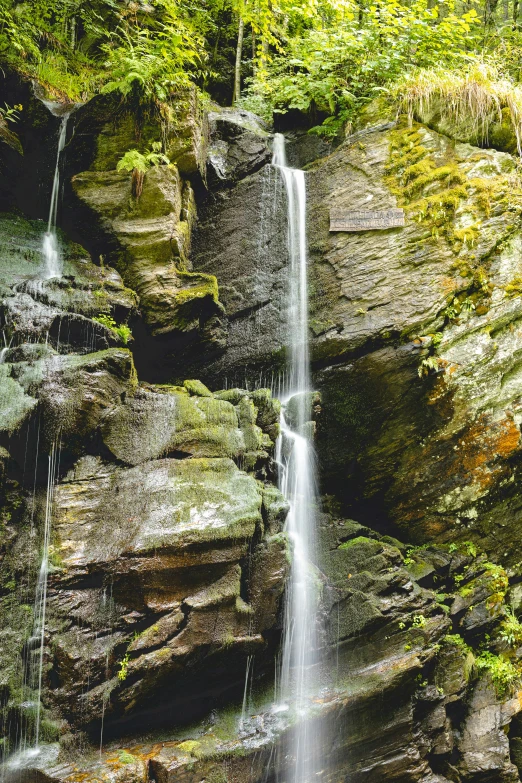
[[342, 220]]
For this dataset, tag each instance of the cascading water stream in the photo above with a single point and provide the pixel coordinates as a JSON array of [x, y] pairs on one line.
[[40, 603], [28, 745], [50, 246], [299, 681]]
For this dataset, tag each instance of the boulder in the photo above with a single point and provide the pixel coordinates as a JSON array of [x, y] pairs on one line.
[[238, 146], [154, 555]]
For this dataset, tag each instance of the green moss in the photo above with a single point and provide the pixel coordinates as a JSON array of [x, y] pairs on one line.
[[433, 193], [126, 758], [514, 287], [355, 542], [188, 301], [467, 236], [448, 175], [189, 746], [197, 388]]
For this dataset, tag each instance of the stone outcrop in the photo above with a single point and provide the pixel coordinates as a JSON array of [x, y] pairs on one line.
[[165, 527], [237, 146], [427, 316]]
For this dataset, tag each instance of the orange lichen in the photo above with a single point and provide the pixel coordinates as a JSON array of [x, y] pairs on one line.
[[509, 439]]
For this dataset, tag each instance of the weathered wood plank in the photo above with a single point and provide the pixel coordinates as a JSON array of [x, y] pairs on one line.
[[343, 220]]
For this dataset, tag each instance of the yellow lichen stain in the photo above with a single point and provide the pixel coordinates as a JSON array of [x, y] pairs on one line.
[[189, 746]]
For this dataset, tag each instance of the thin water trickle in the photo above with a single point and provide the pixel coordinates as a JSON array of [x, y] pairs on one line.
[[50, 244], [244, 706], [298, 682], [34, 676]]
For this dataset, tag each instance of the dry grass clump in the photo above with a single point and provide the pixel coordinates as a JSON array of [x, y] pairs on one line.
[[476, 96]]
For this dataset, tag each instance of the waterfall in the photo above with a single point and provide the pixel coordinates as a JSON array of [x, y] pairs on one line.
[[299, 682], [50, 246]]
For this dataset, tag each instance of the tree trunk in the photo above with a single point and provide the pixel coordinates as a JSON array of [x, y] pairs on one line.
[[239, 53], [515, 14], [254, 53]]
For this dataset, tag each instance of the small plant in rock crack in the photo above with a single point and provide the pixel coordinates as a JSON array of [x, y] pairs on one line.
[[124, 664], [504, 674], [122, 330], [510, 631], [139, 163], [427, 365]]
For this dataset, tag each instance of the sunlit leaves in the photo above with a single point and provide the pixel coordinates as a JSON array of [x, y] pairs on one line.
[[337, 68]]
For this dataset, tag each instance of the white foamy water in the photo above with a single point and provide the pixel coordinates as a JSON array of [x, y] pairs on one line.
[[50, 245], [299, 682]]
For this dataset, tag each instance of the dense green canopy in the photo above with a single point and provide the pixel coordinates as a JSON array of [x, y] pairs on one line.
[[326, 58]]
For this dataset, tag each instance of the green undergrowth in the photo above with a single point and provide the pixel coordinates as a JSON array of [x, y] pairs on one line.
[[473, 98], [492, 652]]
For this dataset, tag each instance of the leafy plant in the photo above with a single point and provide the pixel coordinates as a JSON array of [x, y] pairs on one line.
[[503, 672], [123, 670], [428, 364], [139, 163], [122, 330], [499, 585], [510, 631], [11, 113]]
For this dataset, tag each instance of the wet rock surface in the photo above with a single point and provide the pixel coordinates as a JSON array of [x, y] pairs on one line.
[[417, 328], [168, 557]]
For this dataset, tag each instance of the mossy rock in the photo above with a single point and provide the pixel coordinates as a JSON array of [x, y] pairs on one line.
[[167, 504], [197, 388]]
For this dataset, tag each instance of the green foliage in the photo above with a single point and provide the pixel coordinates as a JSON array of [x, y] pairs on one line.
[[124, 665], [122, 330], [457, 640], [427, 365], [10, 113], [477, 94], [154, 60], [459, 307], [76, 48], [503, 672], [133, 160], [467, 547], [510, 631], [499, 584], [339, 67]]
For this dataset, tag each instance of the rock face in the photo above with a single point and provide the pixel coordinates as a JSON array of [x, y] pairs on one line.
[[160, 527], [154, 458], [415, 328], [157, 556], [421, 322]]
